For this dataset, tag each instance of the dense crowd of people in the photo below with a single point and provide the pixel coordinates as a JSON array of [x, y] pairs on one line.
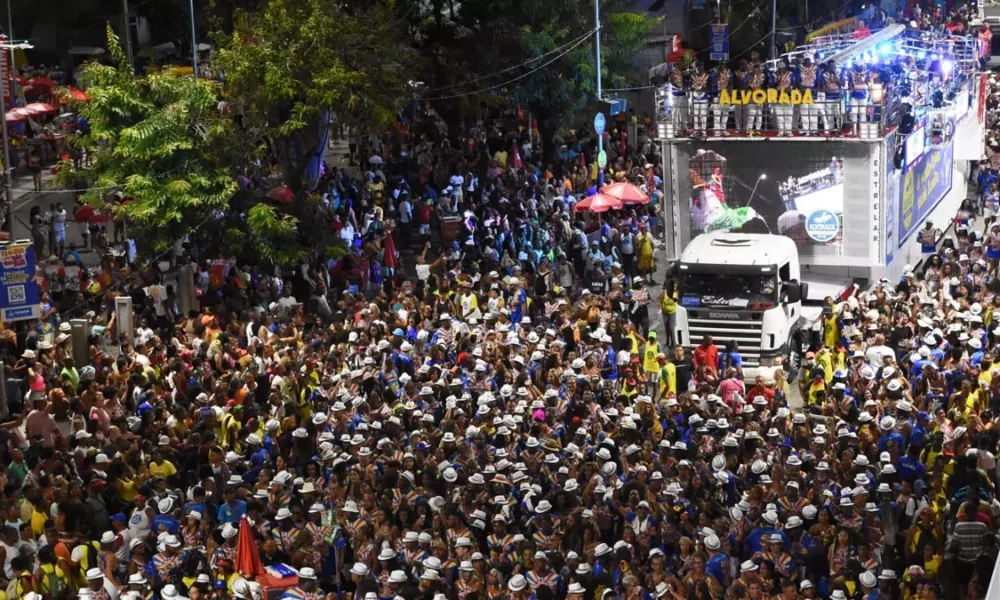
[[476, 404]]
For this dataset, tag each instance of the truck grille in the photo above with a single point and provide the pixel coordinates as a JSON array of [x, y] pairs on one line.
[[746, 330]]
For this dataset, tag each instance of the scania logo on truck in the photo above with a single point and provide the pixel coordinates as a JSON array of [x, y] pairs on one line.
[[724, 315], [822, 225]]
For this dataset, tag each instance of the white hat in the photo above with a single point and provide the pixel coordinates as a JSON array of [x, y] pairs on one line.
[[108, 537], [360, 569], [169, 591], [283, 513], [517, 583], [601, 549], [397, 576], [748, 566], [868, 579], [95, 573], [307, 573], [576, 588], [228, 531], [386, 554]]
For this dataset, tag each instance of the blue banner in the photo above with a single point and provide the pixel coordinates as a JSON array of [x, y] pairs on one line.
[[718, 42], [925, 183], [19, 297]]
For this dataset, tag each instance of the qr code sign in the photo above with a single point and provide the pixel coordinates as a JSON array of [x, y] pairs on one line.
[[15, 294]]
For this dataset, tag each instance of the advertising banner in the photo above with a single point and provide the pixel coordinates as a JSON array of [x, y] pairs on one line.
[[718, 43], [796, 190], [19, 297], [924, 183], [892, 186]]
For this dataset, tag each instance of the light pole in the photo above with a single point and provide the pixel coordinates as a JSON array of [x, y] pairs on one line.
[[597, 50], [194, 41], [774, 29], [760, 178]]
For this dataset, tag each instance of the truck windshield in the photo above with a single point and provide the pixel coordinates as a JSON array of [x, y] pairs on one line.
[[738, 290]]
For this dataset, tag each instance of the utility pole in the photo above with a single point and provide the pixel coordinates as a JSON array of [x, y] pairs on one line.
[[10, 34], [597, 47], [5, 86], [774, 29], [194, 41], [128, 33]]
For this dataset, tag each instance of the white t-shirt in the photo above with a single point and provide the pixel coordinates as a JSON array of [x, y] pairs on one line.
[[138, 524]]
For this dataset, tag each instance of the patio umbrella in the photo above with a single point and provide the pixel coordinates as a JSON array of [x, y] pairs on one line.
[[281, 194], [75, 93], [42, 82], [626, 192], [247, 556], [20, 110], [12, 116], [598, 203], [87, 214], [40, 108]]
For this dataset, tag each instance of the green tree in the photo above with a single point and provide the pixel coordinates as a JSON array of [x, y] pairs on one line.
[[161, 142], [291, 67], [544, 49]]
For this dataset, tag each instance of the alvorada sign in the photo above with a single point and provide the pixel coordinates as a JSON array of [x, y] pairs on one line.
[[771, 96]]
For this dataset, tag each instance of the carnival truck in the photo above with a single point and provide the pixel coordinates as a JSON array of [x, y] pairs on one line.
[[744, 288]]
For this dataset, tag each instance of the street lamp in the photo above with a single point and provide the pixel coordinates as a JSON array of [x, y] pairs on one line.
[[760, 178]]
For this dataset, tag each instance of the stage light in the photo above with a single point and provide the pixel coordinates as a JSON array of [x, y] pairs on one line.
[[946, 67], [921, 55], [885, 49]]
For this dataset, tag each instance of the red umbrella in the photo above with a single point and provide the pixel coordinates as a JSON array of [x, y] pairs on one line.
[[20, 110], [282, 194], [247, 557], [87, 214], [598, 203], [626, 192], [40, 108], [77, 94], [42, 82], [13, 116]]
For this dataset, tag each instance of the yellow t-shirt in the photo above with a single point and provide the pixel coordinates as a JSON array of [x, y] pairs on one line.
[[667, 304], [649, 352], [164, 470], [127, 490], [668, 379], [501, 158], [37, 523]]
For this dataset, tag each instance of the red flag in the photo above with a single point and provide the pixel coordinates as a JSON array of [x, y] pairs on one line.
[[389, 260], [515, 160], [247, 557]]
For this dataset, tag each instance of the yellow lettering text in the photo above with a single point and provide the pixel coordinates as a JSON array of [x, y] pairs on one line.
[[772, 96], [759, 96]]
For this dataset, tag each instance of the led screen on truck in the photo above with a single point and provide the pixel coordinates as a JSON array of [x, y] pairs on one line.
[[792, 189]]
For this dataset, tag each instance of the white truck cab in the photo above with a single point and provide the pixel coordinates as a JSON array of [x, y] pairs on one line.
[[742, 287]]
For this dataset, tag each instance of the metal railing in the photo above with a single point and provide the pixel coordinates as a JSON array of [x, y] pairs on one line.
[[691, 114]]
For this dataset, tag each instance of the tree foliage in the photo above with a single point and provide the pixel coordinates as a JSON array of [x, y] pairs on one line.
[[291, 67], [153, 139], [545, 46]]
